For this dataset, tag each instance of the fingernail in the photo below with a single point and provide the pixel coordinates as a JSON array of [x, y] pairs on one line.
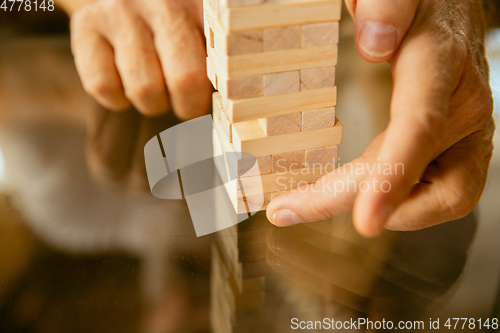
[[285, 218], [378, 39]]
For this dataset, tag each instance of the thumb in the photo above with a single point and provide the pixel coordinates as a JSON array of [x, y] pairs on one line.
[[381, 26], [332, 195]]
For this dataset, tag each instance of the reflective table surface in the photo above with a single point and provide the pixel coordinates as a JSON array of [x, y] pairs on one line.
[[85, 247]]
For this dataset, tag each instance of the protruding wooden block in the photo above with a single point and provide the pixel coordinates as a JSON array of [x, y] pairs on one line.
[[289, 123], [283, 38], [249, 137], [288, 161], [317, 34], [245, 87], [240, 3], [316, 119], [316, 78], [245, 42], [281, 181], [278, 105], [281, 83], [247, 168], [321, 156]]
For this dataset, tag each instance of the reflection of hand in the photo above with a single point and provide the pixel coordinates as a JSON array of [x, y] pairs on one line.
[[395, 276], [150, 53], [115, 148], [441, 126]]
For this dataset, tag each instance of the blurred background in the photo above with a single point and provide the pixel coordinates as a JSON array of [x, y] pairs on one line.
[[84, 248]]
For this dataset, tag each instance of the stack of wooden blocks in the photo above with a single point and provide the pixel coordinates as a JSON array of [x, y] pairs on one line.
[[273, 64]]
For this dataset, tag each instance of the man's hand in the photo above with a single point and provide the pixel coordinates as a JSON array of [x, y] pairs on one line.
[[148, 53], [441, 124]]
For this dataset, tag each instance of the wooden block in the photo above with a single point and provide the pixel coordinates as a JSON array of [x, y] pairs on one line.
[[281, 83], [249, 137], [247, 168], [245, 42], [242, 203], [280, 61], [240, 3], [280, 14], [290, 123], [321, 156], [245, 87], [326, 33], [288, 161], [274, 194], [315, 78], [219, 117], [278, 105], [283, 38], [234, 43], [282, 181], [317, 119], [211, 73], [235, 165]]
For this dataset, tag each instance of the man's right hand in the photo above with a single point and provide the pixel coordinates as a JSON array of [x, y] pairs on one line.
[[147, 53]]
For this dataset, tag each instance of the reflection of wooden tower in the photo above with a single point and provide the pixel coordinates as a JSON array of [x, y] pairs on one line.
[[273, 64]]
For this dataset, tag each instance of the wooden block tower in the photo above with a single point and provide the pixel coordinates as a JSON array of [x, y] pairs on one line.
[[273, 64]]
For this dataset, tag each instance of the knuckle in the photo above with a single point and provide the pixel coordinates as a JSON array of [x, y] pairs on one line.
[[144, 91], [457, 201], [432, 127], [99, 87]]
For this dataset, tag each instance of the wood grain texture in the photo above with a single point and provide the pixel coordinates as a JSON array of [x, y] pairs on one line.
[[278, 105], [280, 14], [326, 33], [245, 87], [281, 181], [288, 161], [244, 42], [316, 119], [236, 88], [281, 83], [290, 123], [251, 167], [249, 137], [219, 117], [321, 156], [235, 166], [280, 61], [315, 78], [282, 38]]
